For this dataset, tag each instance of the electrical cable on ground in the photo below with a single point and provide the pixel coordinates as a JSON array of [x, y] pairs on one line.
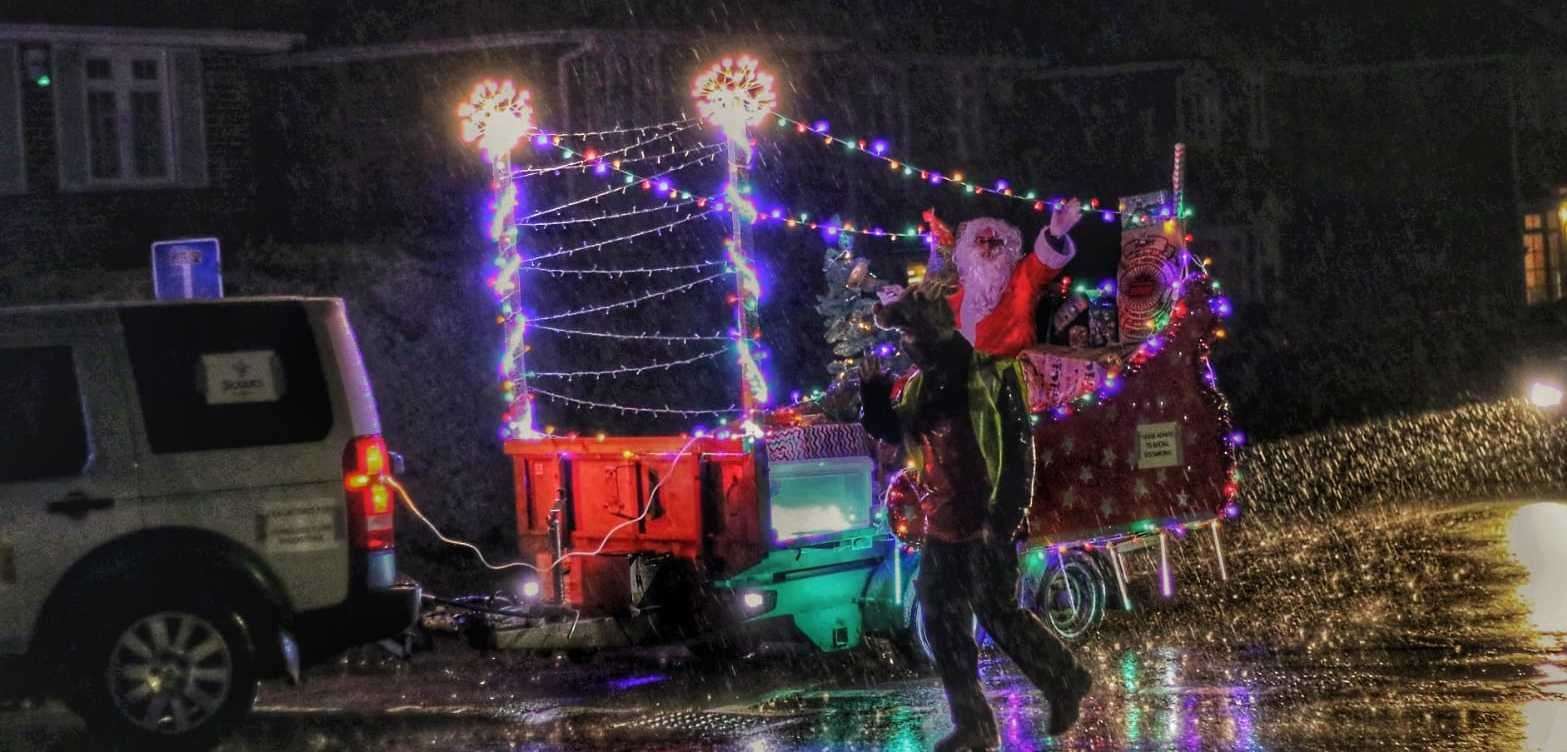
[[408, 501]]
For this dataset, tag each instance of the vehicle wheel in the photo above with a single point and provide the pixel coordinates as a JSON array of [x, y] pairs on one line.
[[1071, 599], [177, 676]]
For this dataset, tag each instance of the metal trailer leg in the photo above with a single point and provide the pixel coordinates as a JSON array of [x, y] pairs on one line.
[[897, 572], [1166, 578], [1120, 575], [1218, 549]]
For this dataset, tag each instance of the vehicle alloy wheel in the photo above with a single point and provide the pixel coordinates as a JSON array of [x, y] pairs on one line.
[[175, 674], [170, 672]]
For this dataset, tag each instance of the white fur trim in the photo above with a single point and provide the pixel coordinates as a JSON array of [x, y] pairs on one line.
[[1049, 255]]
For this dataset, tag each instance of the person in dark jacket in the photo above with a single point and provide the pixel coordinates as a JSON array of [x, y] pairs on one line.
[[963, 421]]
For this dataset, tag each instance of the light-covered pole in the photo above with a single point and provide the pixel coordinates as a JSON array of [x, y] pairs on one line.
[[734, 95], [496, 117]]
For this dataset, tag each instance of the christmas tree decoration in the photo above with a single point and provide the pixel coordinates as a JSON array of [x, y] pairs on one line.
[[846, 317]]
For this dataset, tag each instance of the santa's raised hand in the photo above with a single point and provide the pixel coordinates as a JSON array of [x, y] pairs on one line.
[[1065, 217]]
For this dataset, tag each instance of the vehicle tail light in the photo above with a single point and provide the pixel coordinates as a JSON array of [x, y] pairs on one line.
[[370, 526]]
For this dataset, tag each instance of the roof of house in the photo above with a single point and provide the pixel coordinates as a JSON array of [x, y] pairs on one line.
[[226, 39]]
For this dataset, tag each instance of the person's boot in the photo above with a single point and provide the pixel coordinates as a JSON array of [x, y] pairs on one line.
[[972, 737], [1066, 702]]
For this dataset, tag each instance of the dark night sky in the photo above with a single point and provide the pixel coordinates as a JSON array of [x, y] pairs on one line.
[[1327, 31]]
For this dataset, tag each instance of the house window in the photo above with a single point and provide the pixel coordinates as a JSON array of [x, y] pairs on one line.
[[46, 435], [129, 138], [1534, 269]]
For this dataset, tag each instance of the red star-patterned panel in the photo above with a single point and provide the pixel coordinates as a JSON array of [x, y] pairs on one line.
[[1152, 446]]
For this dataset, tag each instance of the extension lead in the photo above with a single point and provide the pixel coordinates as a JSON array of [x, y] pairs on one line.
[[402, 493]]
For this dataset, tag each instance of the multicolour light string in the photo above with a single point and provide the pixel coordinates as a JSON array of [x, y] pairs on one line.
[[614, 156], [878, 148], [661, 184]]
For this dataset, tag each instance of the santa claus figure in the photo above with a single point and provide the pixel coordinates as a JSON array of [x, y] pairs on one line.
[[999, 285]]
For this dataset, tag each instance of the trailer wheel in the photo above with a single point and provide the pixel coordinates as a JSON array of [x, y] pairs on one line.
[[1071, 599]]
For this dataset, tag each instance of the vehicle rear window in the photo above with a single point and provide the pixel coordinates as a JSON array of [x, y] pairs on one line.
[[227, 376], [43, 434]]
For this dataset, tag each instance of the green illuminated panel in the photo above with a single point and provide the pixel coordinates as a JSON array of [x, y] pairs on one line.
[[820, 497]]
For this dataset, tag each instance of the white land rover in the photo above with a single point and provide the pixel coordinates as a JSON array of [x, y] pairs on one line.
[[193, 497]]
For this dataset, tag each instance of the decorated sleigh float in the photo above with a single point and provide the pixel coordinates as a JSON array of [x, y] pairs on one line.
[[720, 541]]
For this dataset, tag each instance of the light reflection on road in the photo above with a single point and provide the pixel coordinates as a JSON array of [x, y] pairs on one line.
[[1537, 538], [1418, 627]]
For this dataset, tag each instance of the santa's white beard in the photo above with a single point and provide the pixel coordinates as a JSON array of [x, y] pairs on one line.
[[984, 282]]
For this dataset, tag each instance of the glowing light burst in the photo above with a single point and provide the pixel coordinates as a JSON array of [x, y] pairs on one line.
[[734, 94], [496, 116]]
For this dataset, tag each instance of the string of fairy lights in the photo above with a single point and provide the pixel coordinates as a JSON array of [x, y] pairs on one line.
[[650, 168], [645, 270], [661, 184]]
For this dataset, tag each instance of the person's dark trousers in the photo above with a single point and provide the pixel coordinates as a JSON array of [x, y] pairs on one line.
[[958, 581]]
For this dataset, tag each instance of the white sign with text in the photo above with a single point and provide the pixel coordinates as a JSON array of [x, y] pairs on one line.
[[242, 377], [1158, 445]]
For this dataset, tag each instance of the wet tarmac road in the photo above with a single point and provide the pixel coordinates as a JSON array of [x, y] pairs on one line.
[[1400, 627]]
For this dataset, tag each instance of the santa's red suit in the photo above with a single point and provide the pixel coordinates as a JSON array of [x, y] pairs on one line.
[[1008, 327]]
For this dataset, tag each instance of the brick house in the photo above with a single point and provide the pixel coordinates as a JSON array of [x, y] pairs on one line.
[[111, 138]]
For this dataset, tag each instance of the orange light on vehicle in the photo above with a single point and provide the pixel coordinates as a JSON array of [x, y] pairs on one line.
[[374, 459], [380, 500]]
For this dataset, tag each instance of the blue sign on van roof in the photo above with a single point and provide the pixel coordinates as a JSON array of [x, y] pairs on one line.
[[188, 269]]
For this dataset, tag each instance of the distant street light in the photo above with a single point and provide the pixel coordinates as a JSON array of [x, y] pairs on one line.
[[1544, 395]]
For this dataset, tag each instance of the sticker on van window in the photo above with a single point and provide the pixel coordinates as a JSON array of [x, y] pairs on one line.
[[287, 527], [242, 377]]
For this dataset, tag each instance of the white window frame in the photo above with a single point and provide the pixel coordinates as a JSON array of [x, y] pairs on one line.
[[123, 83]]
